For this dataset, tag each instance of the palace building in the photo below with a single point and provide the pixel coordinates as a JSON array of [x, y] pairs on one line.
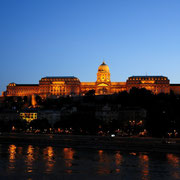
[[70, 85]]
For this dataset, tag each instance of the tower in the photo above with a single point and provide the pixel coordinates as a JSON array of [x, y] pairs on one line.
[[103, 82], [103, 74]]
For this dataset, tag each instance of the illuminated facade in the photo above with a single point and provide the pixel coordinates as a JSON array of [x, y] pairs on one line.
[[156, 84], [103, 84], [70, 85], [28, 116], [48, 86]]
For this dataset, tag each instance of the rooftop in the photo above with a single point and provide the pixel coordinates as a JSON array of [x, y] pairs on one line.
[[59, 77], [27, 84], [147, 76]]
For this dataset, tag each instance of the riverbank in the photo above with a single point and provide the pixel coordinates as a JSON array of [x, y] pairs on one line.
[[136, 144]]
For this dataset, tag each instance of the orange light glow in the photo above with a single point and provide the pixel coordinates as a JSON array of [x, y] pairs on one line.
[[49, 157], [144, 162], [12, 152], [100, 152], [103, 157], [174, 161], [118, 161], [50, 152], [133, 153], [33, 101], [148, 82], [19, 150], [12, 156], [103, 85], [68, 157], [30, 158]]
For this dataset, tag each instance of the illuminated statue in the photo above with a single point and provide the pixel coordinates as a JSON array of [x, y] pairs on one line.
[[33, 101]]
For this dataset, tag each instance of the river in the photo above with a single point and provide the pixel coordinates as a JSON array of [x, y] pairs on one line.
[[47, 162]]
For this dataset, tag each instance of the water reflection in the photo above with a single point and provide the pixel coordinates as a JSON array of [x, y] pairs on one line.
[[118, 161], [174, 161], [133, 153], [30, 158], [12, 156], [19, 150], [32, 161], [100, 152], [144, 163], [103, 166], [48, 155], [68, 158]]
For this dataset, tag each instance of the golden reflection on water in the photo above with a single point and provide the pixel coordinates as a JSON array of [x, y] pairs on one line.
[[19, 150], [174, 161], [100, 152], [12, 156], [12, 152], [30, 158], [144, 162], [133, 153], [68, 158], [118, 161], [103, 167], [48, 155]]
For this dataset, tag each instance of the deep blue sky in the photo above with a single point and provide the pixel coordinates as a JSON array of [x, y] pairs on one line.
[[72, 37]]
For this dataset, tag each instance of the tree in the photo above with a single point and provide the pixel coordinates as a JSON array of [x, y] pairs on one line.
[[90, 92]]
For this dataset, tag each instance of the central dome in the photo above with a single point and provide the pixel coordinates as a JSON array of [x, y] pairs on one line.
[[103, 74], [103, 68]]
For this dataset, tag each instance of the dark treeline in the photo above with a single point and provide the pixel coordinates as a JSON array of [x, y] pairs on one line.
[[162, 113]]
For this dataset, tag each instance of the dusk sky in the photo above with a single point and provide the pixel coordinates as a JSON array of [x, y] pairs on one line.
[[41, 38]]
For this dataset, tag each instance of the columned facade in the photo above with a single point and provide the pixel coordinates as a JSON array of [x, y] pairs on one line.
[[156, 84], [70, 85]]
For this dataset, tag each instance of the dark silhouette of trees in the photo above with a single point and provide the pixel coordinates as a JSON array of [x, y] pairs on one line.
[[163, 112], [40, 124], [90, 93]]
